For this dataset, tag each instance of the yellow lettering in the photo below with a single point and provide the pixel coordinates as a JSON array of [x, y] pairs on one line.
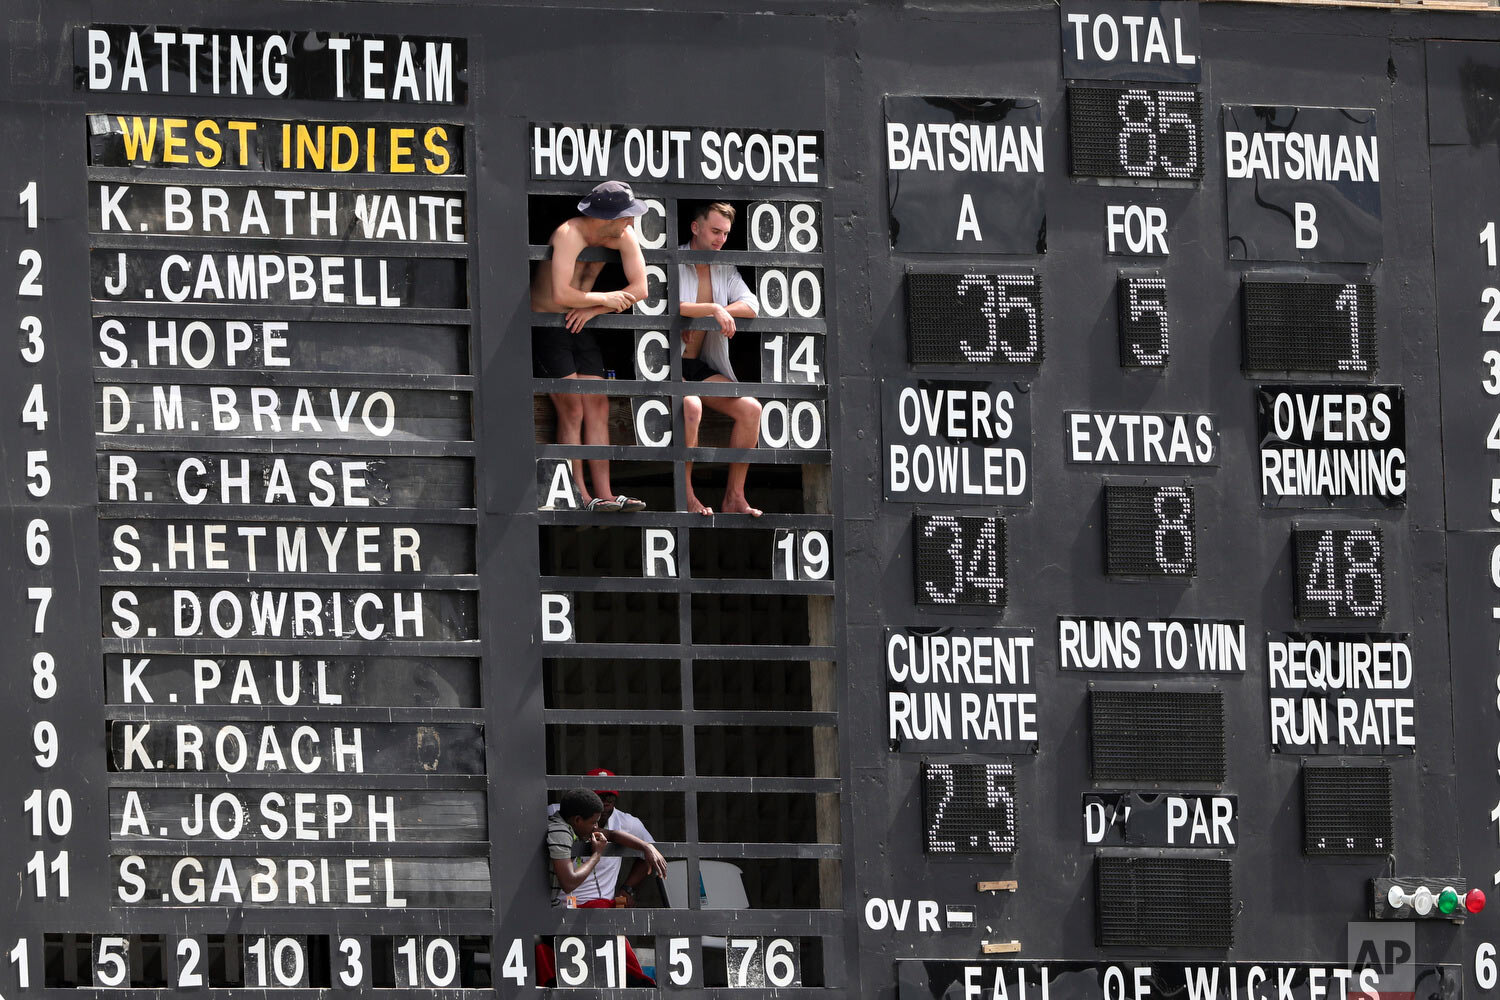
[[401, 150], [243, 130], [344, 153], [310, 144], [138, 145], [171, 142], [210, 151], [439, 161]]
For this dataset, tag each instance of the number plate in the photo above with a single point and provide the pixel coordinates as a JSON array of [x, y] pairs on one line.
[[969, 808], [1144, 133], [1150, 530], [792, 358], [1145, 332], [985, 318], [764, 962], [1323, 325], [785, 226], [1340, 573], [960, 561]]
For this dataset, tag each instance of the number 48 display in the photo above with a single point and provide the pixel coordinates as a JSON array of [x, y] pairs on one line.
[[1340, 573]]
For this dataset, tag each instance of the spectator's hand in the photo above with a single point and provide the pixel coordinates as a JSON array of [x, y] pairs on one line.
[[575, 318], [598, 842], [726, 321], [617, 301], [656, 861]]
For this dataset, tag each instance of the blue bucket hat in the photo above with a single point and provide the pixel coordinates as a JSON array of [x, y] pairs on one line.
[[611, 200]]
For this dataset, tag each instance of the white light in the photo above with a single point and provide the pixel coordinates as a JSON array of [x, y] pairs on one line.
[[1396, 897], [1421, 901]]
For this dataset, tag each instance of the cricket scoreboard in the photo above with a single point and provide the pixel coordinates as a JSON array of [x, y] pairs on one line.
[[1121, 617]]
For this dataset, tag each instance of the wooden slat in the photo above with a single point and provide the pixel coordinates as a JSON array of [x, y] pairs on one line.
[[1000, 947]]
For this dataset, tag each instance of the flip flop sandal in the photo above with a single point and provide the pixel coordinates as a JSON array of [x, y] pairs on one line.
[[601, 505], [629, 504]]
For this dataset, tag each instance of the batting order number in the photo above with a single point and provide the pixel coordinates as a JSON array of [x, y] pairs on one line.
[[49, 810]]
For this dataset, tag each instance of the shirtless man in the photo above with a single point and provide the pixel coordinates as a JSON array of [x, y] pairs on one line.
[[717, 292], [565, 285]]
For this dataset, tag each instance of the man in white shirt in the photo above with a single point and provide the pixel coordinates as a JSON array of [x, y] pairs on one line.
[[603, 882], [717, 292]]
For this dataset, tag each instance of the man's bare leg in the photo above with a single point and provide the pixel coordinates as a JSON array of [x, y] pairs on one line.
[[692, 416], [745, 412], [569, 431], [596, 432]]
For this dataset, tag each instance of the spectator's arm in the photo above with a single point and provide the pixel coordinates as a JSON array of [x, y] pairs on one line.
[[650, 854], [566, 246], [742, 301], [569, 877], [634, 264], [638, 873]]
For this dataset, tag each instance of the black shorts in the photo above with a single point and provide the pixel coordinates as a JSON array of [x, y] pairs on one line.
[[696, 370], [556, 353]]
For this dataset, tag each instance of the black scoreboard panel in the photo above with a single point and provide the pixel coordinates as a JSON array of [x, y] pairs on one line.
[[991, 318], [1304, 325], [1347, 810], [1340, 573], [1151, 900], [1136, 132], [1120, 383], [1150, 530], [1145, 322], [969, 808]]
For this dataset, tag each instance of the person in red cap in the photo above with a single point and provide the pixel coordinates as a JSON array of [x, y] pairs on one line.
[[603, 882], [577, 845], [565, 285]]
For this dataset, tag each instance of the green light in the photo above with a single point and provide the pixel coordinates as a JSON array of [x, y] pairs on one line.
[[1447, 901]]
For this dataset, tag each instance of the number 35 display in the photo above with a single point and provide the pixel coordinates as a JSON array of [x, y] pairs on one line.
[[990, 318]]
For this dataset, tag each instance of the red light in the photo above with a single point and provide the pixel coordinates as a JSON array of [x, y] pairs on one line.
[[1474, 900]]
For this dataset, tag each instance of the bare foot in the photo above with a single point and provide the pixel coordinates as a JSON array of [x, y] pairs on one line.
[[694, 507], [739, 505]]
